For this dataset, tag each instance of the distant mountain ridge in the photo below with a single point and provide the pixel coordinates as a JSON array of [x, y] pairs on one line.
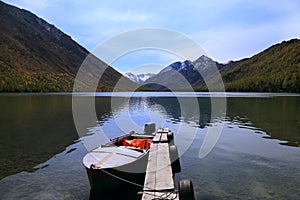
[[35, 56], [276, 69], [139, 78], [181, 75]]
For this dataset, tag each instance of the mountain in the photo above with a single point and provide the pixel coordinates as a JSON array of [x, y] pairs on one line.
[[183, 76], [139, 78], [35, 56], [276, 69]]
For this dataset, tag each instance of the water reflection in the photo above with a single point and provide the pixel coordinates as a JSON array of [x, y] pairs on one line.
[[278, 117], [185, 112], [32, 130], [242, 164], [103, 109]]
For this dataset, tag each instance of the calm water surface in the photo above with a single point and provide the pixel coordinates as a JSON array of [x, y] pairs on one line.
[[256, 157]]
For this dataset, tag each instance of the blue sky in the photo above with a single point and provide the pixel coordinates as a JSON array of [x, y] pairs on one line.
[[226, 30]]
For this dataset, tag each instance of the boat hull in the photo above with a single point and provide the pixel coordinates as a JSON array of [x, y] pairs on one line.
[[131, 174], [104, 180]]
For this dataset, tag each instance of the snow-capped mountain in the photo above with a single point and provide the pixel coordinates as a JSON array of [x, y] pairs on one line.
[[184, 75], [139, 78], [177, 66]]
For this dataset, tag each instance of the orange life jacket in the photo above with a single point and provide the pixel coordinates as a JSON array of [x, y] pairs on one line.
[[137, 143]]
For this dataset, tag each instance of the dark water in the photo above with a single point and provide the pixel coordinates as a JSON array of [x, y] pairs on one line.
[[256, 157]]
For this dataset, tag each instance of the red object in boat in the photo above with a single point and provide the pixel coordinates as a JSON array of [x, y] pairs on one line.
[[137, 143]]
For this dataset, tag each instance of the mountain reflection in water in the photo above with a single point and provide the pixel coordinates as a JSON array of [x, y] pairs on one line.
[[256, 156]]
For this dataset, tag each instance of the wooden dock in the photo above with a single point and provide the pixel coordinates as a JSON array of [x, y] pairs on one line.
[[159, 182]]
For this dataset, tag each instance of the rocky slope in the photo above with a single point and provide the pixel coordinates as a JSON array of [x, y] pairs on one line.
[[35, 56]]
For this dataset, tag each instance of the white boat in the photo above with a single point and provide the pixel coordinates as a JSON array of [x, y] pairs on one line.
[[120, 161]]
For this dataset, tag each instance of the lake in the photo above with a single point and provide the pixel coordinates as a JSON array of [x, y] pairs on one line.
[[256, 154]]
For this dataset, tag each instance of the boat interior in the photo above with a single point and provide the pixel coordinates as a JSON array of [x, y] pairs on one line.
[[136, 141]]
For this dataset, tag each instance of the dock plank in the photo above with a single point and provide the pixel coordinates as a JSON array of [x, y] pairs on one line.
[[160, 130], [159, 171], [164, 176], [164, 137], [156, 138], [160, 195], [159, 182], [150, 178], [163, 130]]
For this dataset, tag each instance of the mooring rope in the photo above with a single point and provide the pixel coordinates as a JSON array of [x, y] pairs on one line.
[[156, 197], [120, 178]]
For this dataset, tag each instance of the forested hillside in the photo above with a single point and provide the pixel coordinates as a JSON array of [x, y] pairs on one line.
[[276, 69], [35, 56]]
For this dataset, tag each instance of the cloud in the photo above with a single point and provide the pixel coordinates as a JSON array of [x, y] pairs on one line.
[[144, 61], [156, 39], [34, 5], [227, 30], [249, 30], [105, 15], [237, 42]]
